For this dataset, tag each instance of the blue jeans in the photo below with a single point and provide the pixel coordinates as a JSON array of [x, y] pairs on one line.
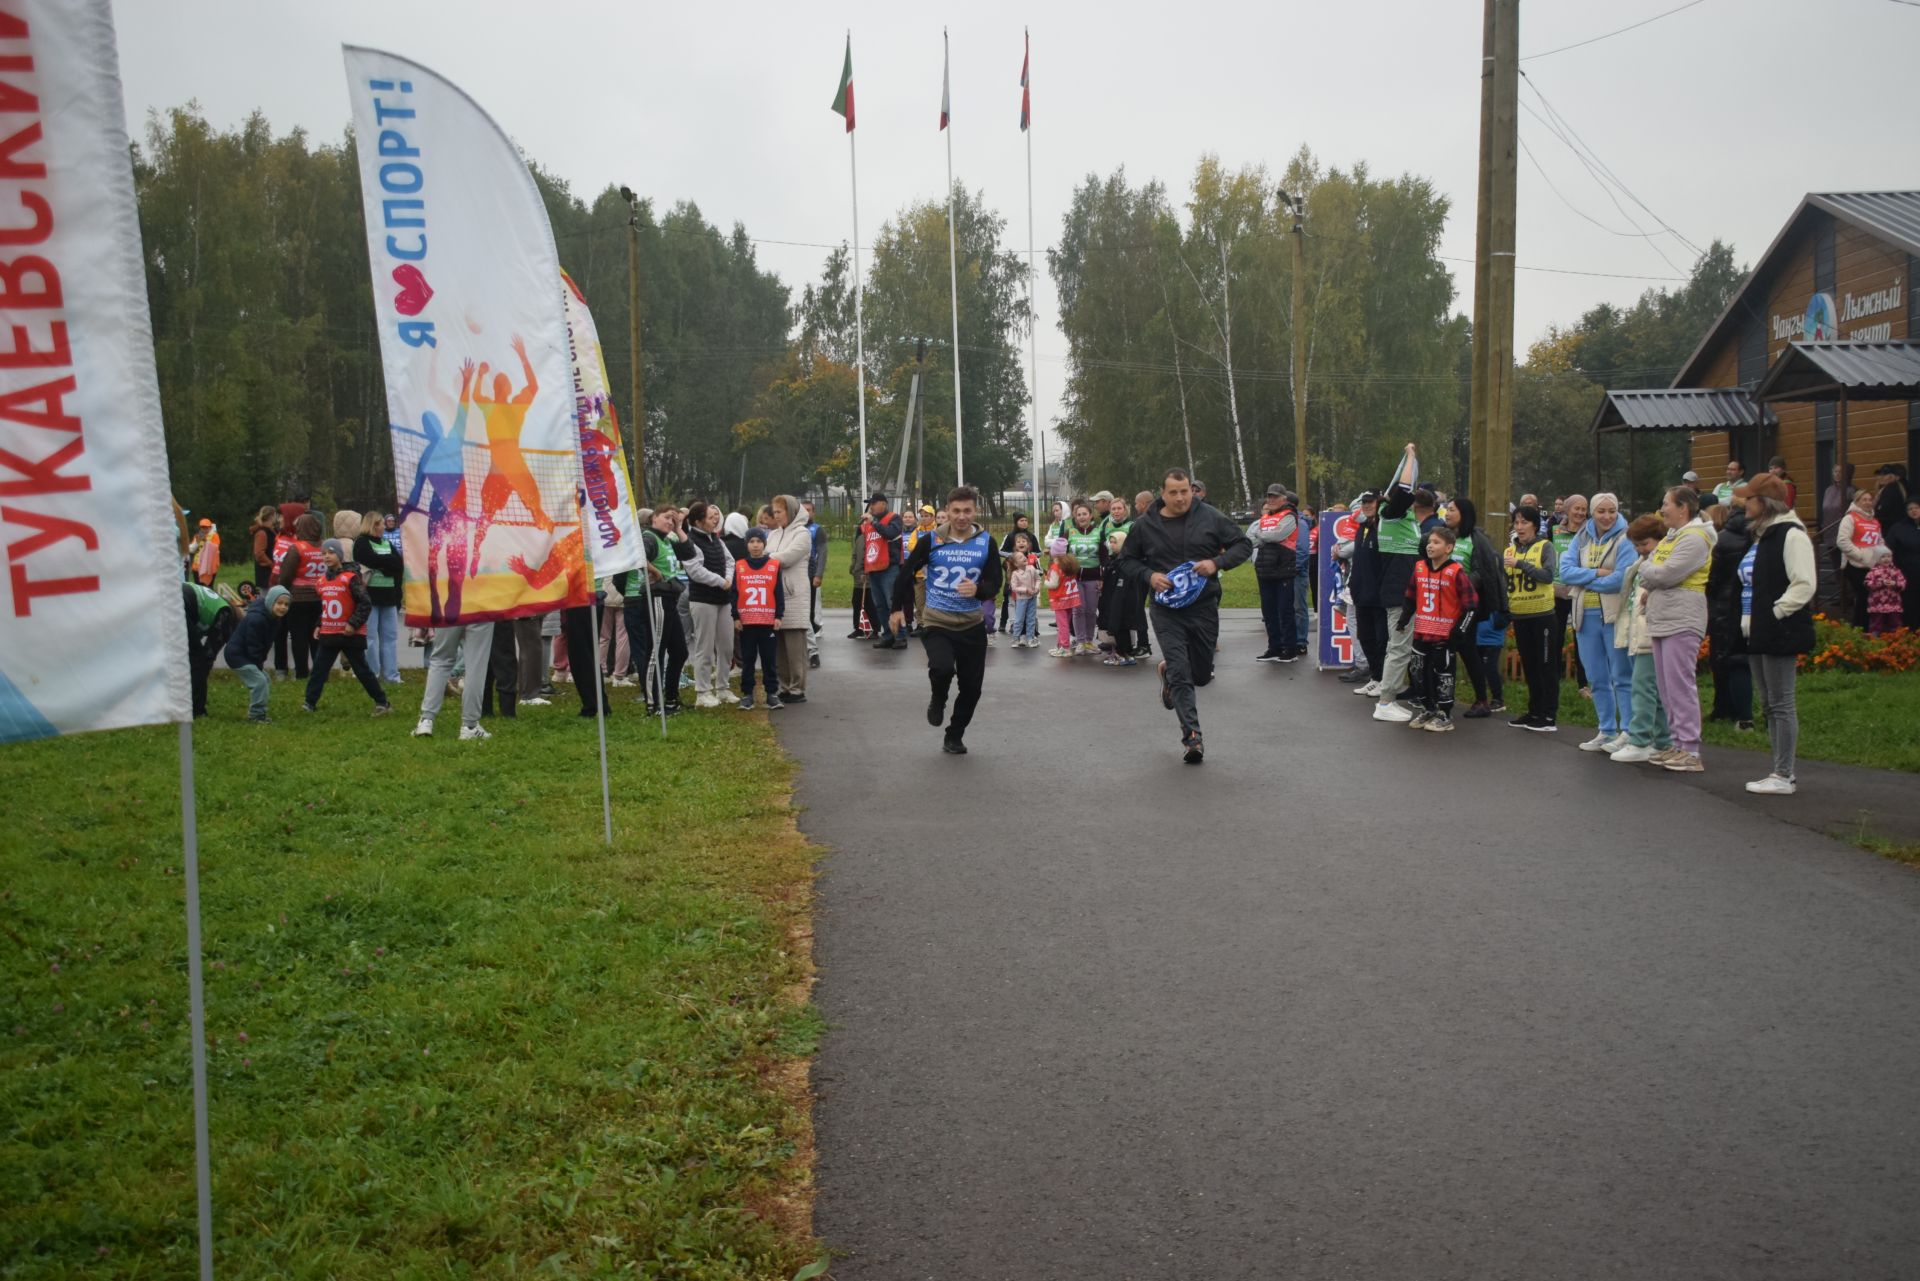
[[1610, 671], [1302, 589], [258, 690], [1026, 618], [1276, 612], [880, 595], [383, 641]]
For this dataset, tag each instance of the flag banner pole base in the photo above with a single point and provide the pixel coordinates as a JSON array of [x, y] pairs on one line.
[[196, 1001]]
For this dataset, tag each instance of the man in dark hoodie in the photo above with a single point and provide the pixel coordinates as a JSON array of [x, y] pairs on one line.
[[344, 607], [963, 569], [1182, 535]]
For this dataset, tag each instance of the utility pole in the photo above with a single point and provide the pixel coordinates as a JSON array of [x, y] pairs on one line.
[[1490, 474], [637, 432], [1296, 323]]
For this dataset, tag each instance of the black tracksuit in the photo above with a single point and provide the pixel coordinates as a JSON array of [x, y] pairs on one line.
[[1187, 637]]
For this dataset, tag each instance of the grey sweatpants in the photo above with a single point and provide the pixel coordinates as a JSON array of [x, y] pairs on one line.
[[1393, 675], [1773, 681], [472, 644]]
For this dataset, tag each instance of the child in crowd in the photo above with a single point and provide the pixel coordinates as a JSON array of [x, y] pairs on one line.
[[1023, 587], [1491, 638], [250, 644], [1439, 605], [1649, 736], [1063, 595], [1886, 594], [758, 602], [344, 609]]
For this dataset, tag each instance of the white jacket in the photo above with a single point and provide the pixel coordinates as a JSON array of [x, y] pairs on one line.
[[792, 546], [1855, 555]]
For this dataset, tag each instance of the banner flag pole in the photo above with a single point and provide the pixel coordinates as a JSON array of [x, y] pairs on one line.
[[599, 686], [196, 1000], [843, 103], [953, 260], [1033, 317]]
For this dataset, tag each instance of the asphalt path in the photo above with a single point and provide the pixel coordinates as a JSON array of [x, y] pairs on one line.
[[1347, 1001]]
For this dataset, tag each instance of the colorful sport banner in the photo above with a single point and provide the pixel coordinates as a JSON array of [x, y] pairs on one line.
[[92, 626], [612, 526], [472, 314], [1337, 641]]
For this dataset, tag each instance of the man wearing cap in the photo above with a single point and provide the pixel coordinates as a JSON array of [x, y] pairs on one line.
[[1276, 537], [1182, 537], [880, 536]]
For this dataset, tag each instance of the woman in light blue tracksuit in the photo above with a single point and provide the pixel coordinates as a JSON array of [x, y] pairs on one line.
[[1593, 565]]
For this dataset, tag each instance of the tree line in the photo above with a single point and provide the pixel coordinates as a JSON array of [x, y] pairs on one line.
[[1177, 323]]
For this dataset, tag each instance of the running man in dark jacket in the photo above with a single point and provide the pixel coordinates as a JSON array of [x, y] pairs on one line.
[[1179, 534]]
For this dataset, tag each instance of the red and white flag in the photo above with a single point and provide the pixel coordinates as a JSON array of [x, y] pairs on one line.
[[946, 93]]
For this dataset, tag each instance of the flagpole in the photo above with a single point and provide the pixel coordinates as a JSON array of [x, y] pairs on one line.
[[196, 1000], [953, 279], [859, 323], [1033, 319], [593, 630]]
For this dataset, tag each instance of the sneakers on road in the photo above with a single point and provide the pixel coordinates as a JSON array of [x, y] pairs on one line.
[[1479, 711], [775, 702], [1773, 785], [1419, 720], [1370, 689], [936, 712], [1391, 712], [1664, 755], [1686, 763], [1439, 723], [1271, 656], [1632, 754], [1196, 751], [1598, 743], [1166, 690], [953, 746]]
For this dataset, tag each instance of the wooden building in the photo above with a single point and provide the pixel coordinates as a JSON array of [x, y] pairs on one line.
[[1843, 268]]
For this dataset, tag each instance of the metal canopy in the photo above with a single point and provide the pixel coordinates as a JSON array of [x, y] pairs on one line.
[[1828, 371], [1687, 409]]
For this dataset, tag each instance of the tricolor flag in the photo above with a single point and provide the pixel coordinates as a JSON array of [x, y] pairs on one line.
[[946, 93], [843, 97], [1026, 94]]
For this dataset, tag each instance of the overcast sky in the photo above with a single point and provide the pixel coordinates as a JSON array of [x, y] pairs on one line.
[[1719, 118]]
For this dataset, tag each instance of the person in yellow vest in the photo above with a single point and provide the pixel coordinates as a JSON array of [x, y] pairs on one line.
[[1675, 581], [923, 528]]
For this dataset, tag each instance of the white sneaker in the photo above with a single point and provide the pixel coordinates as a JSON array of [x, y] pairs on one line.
[[423, 728], [562, 678], [536, 701], [1059, 652], [1598, 743], [1773, 785], [470, 732], [1632, 755], [1620, 740], [622, 682], [1391, 712]]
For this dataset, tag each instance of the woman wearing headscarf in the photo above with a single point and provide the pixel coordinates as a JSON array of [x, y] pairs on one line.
[[1592, 567], [1675, 580]]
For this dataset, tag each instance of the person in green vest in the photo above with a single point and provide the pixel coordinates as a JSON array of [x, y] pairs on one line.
[[378, 553], [1408, 510], [210, 620]]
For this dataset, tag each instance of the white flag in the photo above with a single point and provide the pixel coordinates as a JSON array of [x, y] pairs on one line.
[[92, 624], [473, 337]]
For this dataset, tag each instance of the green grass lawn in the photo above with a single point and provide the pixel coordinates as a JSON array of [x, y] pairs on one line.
[[451, 1031], [1855, 718]]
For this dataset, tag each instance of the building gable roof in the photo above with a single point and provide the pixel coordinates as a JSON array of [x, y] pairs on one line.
[[1891, 216]]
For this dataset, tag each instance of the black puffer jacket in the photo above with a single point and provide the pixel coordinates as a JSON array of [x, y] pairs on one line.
[[1723, 586]]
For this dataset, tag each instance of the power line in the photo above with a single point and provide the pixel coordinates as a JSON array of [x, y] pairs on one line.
[[1580, 44], [1546, 178]]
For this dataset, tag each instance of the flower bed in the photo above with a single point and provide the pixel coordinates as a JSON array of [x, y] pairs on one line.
[[1841, 647]]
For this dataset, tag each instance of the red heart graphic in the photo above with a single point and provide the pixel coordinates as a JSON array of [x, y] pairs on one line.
[[414, 290]]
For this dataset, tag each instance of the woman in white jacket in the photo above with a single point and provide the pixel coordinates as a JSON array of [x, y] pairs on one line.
[[1861, 548], [709, 567], [792, 546]]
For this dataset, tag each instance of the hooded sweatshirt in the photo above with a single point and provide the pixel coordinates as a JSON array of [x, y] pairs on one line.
[[252, 639], [1593, 566], [733, 532]]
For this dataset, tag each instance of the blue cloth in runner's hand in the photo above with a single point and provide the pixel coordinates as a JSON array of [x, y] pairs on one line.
[[1183, 587]]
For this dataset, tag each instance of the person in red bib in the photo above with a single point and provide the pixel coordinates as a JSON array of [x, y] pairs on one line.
[[302, 566], [758, 602], [342, 628], [1439, 608], [1862, 546], [879, 539]]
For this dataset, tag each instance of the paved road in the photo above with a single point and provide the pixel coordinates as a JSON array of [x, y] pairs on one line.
[[1297, 1014]]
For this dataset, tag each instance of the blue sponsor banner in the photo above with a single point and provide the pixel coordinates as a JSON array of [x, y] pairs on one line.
[[1336, 644]]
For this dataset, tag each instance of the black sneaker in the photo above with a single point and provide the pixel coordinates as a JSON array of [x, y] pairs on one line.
[[1479, 711], [795, 697], [1354, 676], [1497, 706], [1271, 656], [1195, 752], [774, 703], [1166, 690], [1291, 655], [857, 634], [936, 712], [900, 642], [813, 660], [1522, 722], [883, 642], [952, 745]]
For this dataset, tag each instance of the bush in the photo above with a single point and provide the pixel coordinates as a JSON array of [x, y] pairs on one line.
[[1841, 647]]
